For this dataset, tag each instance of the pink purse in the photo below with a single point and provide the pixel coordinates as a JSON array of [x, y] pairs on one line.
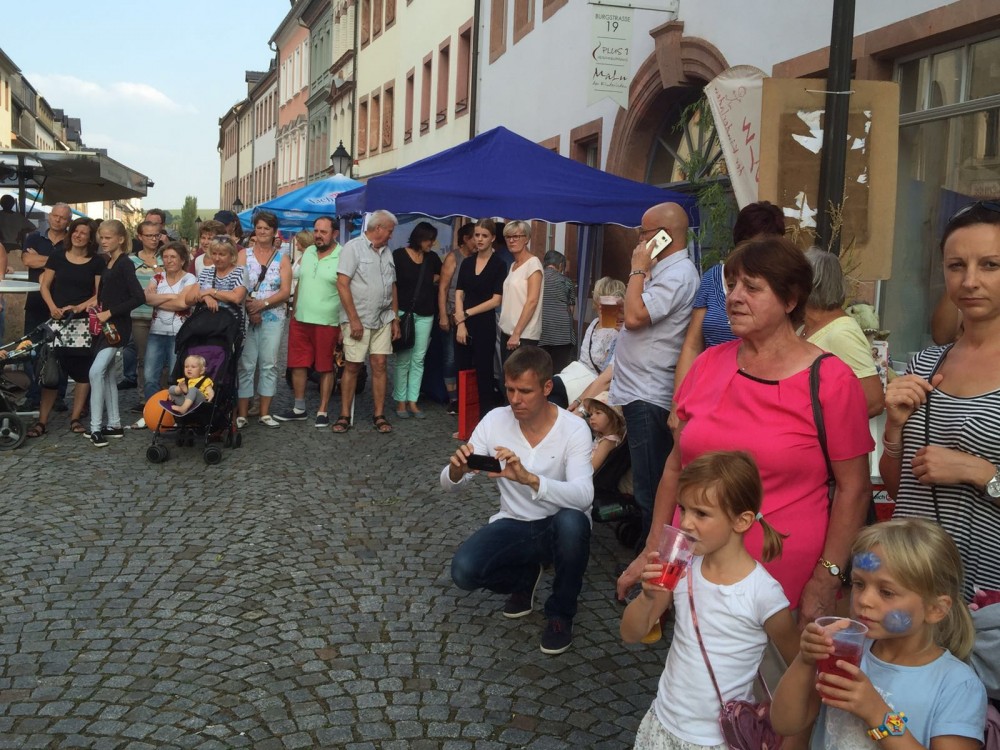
[[745, 725]]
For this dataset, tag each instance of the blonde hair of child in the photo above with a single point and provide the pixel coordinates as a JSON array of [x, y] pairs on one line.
[[735, 479], [922, 557], [200, 360]]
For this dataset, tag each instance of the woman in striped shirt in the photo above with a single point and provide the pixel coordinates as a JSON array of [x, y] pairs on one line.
[[941, 442]]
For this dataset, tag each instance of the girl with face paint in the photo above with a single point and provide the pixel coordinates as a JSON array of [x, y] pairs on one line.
[[906, 584]]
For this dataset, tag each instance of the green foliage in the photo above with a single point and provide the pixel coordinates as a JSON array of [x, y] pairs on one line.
[[189, 213]]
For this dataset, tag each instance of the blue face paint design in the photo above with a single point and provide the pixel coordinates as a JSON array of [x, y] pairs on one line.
[[867, 561], [897, 621]]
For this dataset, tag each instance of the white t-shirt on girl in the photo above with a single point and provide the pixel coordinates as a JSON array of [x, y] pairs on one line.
[[731, 619]]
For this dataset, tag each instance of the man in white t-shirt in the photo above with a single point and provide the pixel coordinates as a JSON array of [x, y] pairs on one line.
[[546, 493]]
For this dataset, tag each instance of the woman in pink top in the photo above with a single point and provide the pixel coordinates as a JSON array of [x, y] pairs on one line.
[[752, 394]]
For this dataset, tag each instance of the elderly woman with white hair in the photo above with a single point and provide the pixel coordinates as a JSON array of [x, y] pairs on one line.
[[521, 313], [833, 330]]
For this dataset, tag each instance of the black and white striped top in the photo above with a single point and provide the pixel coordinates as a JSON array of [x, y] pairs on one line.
[[971, 425], [558, 294]]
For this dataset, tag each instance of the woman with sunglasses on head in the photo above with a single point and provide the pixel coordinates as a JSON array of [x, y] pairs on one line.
[[521, 314], [941, 446]]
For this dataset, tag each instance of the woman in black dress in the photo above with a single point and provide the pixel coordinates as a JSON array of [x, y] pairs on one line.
[[68, 286], [477, 296]]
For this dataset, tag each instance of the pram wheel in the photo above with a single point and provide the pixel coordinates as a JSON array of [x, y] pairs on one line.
[[157, 454], [237, 439], [212, 455], [12, 432]]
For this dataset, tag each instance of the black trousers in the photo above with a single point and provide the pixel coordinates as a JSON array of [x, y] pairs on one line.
[[477, 354]]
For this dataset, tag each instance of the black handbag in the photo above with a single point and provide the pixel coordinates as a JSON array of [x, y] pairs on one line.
[[407, 325]]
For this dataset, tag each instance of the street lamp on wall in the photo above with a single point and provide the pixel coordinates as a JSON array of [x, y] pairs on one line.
[[341, 160], [237, 205]]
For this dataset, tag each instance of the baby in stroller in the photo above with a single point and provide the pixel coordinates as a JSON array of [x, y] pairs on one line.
[[194, 389], [14, 384]]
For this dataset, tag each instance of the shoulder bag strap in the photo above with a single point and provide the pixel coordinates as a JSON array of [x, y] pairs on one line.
[[263, 270], [817, 411], [701, 644], [416, 288], [927, 427]]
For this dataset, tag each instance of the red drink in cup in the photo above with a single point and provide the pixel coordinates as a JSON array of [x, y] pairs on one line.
[[848, 643], [675, 554]]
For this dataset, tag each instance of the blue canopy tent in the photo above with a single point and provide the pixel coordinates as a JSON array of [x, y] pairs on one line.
[[499, 173], [298, 209]]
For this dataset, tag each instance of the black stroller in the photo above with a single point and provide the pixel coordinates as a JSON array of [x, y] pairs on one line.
[[14, 384], [218, 337]]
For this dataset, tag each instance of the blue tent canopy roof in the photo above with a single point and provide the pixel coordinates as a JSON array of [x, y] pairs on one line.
[[300, 208], [499, 173]]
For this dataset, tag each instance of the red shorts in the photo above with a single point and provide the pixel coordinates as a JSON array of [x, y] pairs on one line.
[[312, 345]]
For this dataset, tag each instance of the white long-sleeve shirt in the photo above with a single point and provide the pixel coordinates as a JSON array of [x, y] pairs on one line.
[[561, 461]]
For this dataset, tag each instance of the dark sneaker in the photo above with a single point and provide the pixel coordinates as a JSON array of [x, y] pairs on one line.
[[453, 407], [98, 440], [113, 432], [322, 420], [557, 636], [291, 415], [126, 385], [520, 603]]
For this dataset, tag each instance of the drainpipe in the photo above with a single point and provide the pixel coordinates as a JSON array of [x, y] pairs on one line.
[[354, 88], [832, 170], [474, 73]]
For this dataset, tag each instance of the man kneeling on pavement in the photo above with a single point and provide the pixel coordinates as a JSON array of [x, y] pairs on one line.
[[546, 491]]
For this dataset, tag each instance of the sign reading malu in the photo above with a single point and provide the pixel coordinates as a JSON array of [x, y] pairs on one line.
[[610, 45]]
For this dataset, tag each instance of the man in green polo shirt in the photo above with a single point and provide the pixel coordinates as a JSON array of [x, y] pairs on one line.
[[314, 329]]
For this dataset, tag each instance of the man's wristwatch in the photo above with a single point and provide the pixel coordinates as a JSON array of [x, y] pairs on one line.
[[893, 725], [993, 486], [637, 272], [832, 569]]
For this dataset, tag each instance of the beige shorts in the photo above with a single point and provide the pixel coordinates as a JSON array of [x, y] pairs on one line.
[[372, 341]]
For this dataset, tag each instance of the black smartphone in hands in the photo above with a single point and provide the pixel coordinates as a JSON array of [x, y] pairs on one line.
[[479, 462]]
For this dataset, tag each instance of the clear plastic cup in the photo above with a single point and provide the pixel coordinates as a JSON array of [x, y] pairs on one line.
[[848, 643], [676, 550]]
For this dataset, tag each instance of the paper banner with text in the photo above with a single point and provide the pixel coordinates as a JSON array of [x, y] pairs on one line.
[[791, 138], [734, 96], [610, 45]]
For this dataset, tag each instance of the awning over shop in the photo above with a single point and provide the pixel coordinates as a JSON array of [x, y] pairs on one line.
[[70, 176]]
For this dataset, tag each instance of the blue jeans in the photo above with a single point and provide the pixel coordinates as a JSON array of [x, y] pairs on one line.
[[649, 443], [159, 354], [448, 359], [260, 352], [410, 364], [504, 556], [104, 391]]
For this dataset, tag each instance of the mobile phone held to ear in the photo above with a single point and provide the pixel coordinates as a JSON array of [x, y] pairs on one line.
[[657, 243], [479, 462]]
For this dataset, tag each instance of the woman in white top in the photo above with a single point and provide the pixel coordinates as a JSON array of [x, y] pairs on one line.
[[521, 313], [165, 294]]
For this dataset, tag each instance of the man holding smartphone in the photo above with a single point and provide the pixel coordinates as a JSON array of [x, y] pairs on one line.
[[658, 299], [546, 486]]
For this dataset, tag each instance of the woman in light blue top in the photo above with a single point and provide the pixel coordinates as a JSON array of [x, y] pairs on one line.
[[269, 284]]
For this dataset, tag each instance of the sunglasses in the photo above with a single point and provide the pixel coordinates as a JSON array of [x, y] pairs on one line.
[[992, 206]]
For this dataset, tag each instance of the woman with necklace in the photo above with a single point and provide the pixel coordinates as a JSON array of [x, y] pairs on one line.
[[415, 262], [118, 294], [477, 296], [165, 294], [521, 314], [148, 262], [269, 278], [68, 285]]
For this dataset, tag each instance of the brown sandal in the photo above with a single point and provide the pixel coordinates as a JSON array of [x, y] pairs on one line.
[[381, 424], [76, 426], [37, 430], [343, 424]]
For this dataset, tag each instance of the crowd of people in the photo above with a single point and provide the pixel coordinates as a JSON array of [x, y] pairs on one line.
[[743, 395]]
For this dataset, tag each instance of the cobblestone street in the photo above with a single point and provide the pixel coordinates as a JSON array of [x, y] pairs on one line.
[[295, 596]]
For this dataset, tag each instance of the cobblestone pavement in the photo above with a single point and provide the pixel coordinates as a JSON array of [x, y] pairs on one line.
[[295, 596]]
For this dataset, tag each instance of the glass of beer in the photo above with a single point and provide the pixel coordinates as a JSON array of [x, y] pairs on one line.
[[609, 311]]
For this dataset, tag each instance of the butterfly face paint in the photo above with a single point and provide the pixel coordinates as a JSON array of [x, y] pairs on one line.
[[897, 621], [867, 561]]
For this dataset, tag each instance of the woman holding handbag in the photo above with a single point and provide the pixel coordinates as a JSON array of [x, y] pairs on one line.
[[418, 269], [269, 278], [68, 286], [118, 294]]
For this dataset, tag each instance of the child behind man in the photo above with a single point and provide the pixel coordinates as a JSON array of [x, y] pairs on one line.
[[194, 389], [607, 423]]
